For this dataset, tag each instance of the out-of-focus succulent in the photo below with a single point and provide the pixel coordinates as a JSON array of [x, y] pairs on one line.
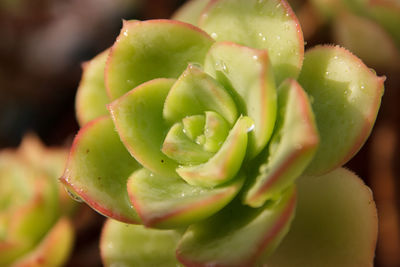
[[34, 208], [370, 29], [209, 126]]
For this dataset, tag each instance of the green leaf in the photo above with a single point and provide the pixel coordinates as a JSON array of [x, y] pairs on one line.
[[225, 164], [54, 248], [138, 118], [216, 130], [269, 25], [169, 202], [152, 49], [248, 74], [335, 224], [237, 235], [387, 14], [182, 149], [190, 12], [292, 146], [346, 96], [28, 206], [193, 126], [362, 37], [196, 92], [98, 168], [91, 97], [134, 245]]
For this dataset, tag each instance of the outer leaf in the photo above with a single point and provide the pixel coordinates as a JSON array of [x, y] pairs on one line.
[[237, 235], [139, 122], [335, 224], [134, 245], [53, 250], [190, 12], [387, 14], [261, 24], [170, 202], [196, 92], [248, 73], [91, 97], [363, 36], [225, 164], [98, 168], [292, 146], [346, 96], [152, 49]]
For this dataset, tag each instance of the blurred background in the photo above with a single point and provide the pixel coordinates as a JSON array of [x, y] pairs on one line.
[[44, 42]]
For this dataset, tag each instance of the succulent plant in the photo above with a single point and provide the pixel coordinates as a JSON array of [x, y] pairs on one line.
[[35, 229], [202, 134], [360, 26]]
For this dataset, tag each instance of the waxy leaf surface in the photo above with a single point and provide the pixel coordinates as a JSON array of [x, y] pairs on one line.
[[138, 118], [248, 74], [261, 24], [98, 168], [135, 245], [225, 164], [91, 98], [237, 235], [196, 92], [291, 148], [152, 49], [171, 202], [345, 97], [335, 224]]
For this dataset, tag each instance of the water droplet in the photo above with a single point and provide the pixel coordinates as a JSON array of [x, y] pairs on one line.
[[251, 128], [224, 67], [214, 35], [125, 33], [327, 73], [305, 43], [183, 194], [335, 57], [362, 87], [278, 5], [255, 57], [346, 92], [278, 37], [279, 54], [74, 196]]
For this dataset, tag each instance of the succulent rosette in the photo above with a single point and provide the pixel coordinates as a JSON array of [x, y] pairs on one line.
[[35, 229], [195, 132]]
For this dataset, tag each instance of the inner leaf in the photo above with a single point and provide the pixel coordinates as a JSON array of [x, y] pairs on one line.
[[179, 147], [196, 92], [291, 148], [247, 73], [225, 164], [193, 126], [216, 130]]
